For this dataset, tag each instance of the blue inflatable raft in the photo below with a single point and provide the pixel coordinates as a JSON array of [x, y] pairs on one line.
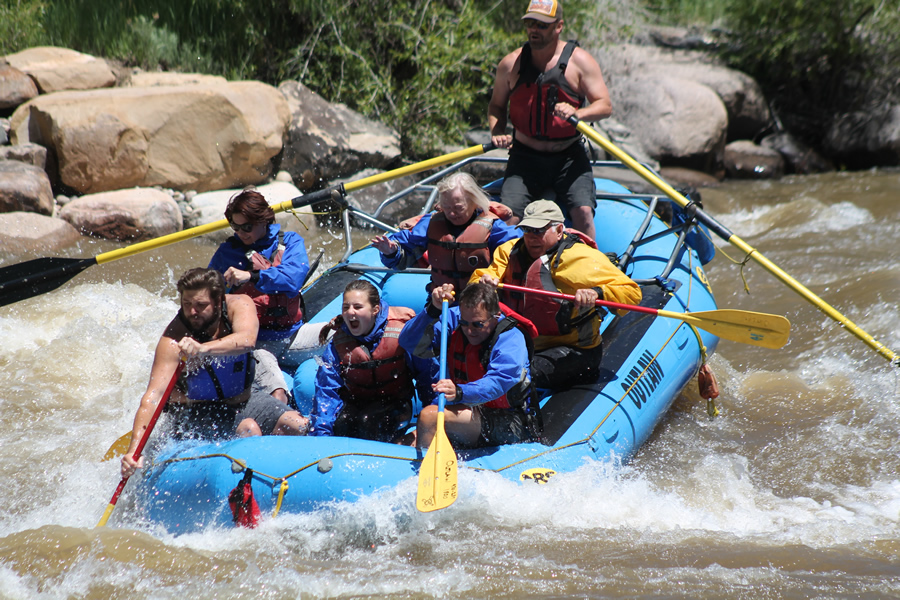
[[647, 360]]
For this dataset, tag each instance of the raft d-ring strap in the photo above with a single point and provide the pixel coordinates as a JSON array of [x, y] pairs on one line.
[[281, 491], [711, 409], [743, 264]]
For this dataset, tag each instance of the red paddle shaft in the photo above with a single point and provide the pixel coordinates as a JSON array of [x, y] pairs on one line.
[[560, 296], [143, 442]]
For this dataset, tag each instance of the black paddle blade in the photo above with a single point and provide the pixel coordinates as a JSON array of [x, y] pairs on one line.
[[38, 276]]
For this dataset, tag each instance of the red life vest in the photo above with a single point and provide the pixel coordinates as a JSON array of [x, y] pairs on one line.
[[454, 259], [469, 362], [379, 375], [277, 310], [551, 316], [535, 94]]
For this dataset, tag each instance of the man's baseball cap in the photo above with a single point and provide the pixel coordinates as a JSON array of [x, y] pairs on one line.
[[546, 11], [540, 213]]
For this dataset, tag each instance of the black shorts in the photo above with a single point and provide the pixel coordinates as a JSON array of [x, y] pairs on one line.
[[217, 420], [373, 421], [565, 177], [501, 426]]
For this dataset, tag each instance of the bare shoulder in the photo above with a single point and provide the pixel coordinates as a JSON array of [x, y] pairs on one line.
[[509, 62], [583, 59], [239, 303]]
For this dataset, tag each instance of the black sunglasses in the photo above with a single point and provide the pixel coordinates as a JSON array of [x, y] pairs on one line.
[[245, 227], [475, 324], [535, 24], [536, 230]]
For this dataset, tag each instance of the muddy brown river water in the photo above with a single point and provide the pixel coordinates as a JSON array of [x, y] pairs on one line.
[[792, 492]]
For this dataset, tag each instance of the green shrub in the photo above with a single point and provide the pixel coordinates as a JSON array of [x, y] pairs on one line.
[[21, 25]]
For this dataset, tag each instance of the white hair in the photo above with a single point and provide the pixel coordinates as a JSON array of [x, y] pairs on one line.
[[468, 185]]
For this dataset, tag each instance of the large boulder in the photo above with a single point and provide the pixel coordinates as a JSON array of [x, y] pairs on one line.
[[33, 154], [746, 160], [24, 187], [140, 78], [15, 87], [678, 122], [798, 156], [200, 137], [326, 141], [58, 69], [28, 231], [124, 215], [748, 111], [862, 139]]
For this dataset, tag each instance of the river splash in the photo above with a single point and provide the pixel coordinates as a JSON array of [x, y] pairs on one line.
[[792, 492]]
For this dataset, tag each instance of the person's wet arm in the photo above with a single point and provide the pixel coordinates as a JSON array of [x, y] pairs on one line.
[[165, 361]]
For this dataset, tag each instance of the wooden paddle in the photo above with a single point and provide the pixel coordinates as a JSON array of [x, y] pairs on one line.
[[724, 233], [42, 275], [758, 329], [437, 475], [140, 447]]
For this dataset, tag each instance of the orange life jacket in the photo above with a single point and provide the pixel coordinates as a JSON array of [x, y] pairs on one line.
[[552, 317], [378, 375], [277, 310], [469, 362], [454, 259]]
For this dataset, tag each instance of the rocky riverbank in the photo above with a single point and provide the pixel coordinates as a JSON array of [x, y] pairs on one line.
[[88, 147]]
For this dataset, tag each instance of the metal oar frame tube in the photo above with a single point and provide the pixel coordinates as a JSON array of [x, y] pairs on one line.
[[724, 233]]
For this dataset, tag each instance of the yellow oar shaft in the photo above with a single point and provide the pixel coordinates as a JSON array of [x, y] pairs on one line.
[[736, 241], [161, 241], [814, 299], [417, 167]]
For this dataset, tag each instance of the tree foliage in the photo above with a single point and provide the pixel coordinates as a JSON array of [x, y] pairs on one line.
[[815, 61]]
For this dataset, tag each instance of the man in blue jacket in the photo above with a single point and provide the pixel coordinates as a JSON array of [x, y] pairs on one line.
[[489, 395]]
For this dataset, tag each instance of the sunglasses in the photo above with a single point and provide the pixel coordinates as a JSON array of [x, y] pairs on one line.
[[536, 230], [245, 227], [535, 24], [475, 324]]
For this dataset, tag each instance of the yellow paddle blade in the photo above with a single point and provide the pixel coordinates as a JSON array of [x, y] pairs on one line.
[[758, 329], [437, 475], [119, 447]]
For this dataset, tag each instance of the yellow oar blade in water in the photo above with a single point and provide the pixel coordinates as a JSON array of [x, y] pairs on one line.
[[119, 447], [437, 475]]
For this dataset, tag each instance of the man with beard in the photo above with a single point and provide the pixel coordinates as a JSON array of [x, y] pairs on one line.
[[542, 84], [215, 333]]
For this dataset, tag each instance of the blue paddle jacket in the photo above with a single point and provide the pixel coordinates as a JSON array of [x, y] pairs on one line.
[[414, 242], [422, 338], [327, 403], [287, 278]]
